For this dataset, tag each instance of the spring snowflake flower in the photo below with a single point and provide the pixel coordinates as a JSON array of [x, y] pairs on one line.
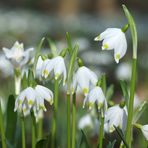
[[114, 38], [96, 95], [17, 56], [115, 116], [144, 130], [57, 65], [83, 78], [33, 99]]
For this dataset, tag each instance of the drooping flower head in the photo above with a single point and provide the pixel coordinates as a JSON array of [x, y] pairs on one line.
[[97, 96], [114, 38], [17, 55], [83, 78], [57, 65], [115, 116], [33, 99]]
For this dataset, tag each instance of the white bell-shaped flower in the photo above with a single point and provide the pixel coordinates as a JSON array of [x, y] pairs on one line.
[[144, 130], [83, 79], [114, 38], [25, 100], [57, 65], [17, 55], [33, 99], [115, 116], [97, 96], [42, 94]]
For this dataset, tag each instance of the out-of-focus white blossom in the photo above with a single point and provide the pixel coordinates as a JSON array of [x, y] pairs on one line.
[[85, 121], [17, 55], [123, 71]]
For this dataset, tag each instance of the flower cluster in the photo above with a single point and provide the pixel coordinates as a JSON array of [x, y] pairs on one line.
[[32, 99]]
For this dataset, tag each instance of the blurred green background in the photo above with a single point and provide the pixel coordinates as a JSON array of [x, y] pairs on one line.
[[29, 20]]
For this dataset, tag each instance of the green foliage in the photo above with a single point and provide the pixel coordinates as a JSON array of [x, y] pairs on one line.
[[121, 136], [111, 144], [52, 47], [83, 140], [11, 120], [124, 88], [139, 111]]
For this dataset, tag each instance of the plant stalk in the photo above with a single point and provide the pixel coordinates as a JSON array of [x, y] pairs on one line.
[[2, 128], [54, 123], [74, 120], [23, 132], [68, 120], [128, 133]]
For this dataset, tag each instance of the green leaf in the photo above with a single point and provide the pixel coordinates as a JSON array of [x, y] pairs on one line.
[[11, 120], [121, 136], [63, 52], [139, 111], [37, 53], [132, 29], [70, 49], [124, 88], [31, 79], [24, 81], [110, 92], [83, 140], [42, 143], [71, 67], [52, 47], [111, 144], [103, 83]]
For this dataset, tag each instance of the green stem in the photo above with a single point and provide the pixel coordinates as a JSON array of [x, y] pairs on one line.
[[33, 130], [101, 132], [101, 128], [74, 120], [23, 132], [54, 123], [17, 80], [68, 120], [128, 133], [40, 126], [2, 128]]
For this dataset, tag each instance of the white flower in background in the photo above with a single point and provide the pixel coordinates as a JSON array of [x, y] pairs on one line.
[[123, 71], [6, 68], [115, 116], [96, 95], [85, 121], [137, 101], [33, 99], [57, 65], [144, 130], [114, 38], [39, 65], [17, 55], [83, 78]]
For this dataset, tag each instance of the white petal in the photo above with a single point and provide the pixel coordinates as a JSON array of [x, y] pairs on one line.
[[45, 93], [145, 131], [30, 96]]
